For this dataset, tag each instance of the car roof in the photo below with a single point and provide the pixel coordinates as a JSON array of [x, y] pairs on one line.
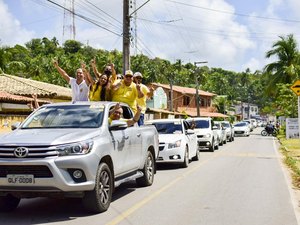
[[164, 120]]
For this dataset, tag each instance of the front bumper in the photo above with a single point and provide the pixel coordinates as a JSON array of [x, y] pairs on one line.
[[50, 175]]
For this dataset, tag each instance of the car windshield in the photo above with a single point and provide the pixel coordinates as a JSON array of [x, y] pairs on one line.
[[168, 128], [201, 124], [240, 124], [226, 125], [66, 116]]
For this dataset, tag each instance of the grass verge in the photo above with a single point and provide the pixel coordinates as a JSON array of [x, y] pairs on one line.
[[291, 150]]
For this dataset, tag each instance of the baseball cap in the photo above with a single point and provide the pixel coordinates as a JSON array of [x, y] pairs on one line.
[[138, 74], [128, 72]]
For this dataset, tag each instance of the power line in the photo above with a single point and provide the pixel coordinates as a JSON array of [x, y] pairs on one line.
[[84, 17], [237, 14]]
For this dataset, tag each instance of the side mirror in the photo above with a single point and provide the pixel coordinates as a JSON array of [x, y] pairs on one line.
[[118, 125], [215, 128], [15, 125], [189, 131]]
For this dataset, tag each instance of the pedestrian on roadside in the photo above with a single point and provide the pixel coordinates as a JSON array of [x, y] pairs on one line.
[[79, 86]]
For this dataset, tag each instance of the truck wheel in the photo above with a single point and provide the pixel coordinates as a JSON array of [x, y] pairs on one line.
[[8, 203], [148, 171], [185, 163], [98, 200]]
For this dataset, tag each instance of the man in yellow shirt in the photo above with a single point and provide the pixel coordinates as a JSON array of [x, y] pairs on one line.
[[126, 91], [147, 93]]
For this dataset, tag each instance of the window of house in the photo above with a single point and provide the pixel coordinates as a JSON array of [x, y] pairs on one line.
[[186, 100]]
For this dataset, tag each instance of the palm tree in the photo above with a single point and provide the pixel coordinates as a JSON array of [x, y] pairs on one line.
[[286, 68]]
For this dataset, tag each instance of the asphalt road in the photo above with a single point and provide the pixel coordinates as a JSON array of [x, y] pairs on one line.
[[242, 183]]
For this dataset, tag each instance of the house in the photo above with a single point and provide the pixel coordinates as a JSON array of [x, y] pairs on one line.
[[246, 110], [184, 101]]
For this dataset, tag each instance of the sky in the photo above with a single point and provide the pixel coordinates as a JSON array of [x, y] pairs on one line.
[[229, 34]]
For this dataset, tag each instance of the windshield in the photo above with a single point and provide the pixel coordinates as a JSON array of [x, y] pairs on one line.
[[168, 128], [226, 125], [240, 124], [201, 124], [67, 116]]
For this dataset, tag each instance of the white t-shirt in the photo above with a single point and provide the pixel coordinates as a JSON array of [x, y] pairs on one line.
[[80, 92]]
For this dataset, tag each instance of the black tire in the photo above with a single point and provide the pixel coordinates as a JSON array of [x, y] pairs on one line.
[[274, 133], [220, 143], [186, 161], [197, 156], [216, 147], [148, 171], [8, 203], [212, 147], [264, 133], [98, 200]]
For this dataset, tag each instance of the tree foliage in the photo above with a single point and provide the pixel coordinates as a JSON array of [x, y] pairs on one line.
[[268, 88]]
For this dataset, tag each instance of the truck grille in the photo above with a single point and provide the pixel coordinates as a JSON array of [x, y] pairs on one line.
[[37, 171], [33, 151]]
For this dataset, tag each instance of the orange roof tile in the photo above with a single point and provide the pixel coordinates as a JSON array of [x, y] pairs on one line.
[[184, 90]]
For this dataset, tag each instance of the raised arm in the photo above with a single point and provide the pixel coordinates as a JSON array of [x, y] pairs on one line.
[[94, 67], [87, 76], [61, 71], [136, 117]]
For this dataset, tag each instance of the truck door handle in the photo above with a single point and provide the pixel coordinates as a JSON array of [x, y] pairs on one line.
[[126, 137], [138, 135]]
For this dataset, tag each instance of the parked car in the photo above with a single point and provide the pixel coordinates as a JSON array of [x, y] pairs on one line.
[[251, 126], [241, 129], [207, 137], [228, 130], [177, 142], [221, 131], [70, 150]]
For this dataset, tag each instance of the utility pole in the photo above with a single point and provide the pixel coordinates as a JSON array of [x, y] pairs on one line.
[[197, 87], [126, 32], [126, 36]]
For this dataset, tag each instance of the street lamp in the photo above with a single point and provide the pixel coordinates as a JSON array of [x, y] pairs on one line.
[[197, 87]]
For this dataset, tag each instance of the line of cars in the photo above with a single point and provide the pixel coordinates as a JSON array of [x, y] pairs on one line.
[[180, 140]]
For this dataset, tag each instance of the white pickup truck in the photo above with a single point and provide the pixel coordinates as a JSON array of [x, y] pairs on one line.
[[70, 150]]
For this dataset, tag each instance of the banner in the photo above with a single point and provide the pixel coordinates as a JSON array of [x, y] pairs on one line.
[[292, 128]]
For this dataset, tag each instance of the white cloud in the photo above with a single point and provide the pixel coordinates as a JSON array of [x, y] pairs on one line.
[[207, 30], [11, 30]]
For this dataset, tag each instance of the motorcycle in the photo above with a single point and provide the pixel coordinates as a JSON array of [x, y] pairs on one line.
[[269, 131]]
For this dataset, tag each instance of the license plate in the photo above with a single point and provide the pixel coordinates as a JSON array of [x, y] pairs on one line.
[[20, 179]]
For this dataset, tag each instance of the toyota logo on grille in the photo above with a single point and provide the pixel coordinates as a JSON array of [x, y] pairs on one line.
[[21, 152]]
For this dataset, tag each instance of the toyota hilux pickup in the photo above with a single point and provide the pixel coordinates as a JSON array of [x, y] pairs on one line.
[[71, 150]]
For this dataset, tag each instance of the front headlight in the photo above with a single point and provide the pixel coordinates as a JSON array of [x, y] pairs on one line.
[[175, 144], [208, 135], [79, 148]]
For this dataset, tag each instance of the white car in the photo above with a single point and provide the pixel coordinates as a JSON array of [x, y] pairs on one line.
[[241, 128], [221, 132], [177, 142], [207, 137], [228, 130]]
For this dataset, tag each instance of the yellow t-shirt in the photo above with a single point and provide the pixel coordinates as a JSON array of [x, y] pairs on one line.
[[142, 101], [126, 94], [95, 95]]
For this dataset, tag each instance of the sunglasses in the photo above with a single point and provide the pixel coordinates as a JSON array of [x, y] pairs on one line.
[[128, 76]]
